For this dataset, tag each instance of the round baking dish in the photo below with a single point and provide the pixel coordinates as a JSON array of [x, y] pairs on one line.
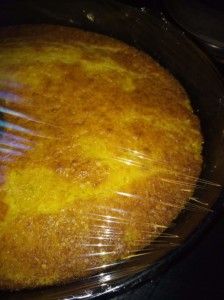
[[153, 34]]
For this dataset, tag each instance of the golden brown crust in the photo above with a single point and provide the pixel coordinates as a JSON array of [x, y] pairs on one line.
[[112, 149]]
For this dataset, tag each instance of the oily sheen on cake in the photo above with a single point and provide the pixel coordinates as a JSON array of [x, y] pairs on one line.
[[96, 141]]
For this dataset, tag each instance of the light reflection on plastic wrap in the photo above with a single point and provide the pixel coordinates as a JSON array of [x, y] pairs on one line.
[[16, 140], [11, 97]]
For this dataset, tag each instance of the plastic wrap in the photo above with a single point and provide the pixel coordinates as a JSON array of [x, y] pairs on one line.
[[110, 239]]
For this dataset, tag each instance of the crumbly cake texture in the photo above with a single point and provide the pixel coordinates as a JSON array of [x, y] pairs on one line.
[[105, 154]]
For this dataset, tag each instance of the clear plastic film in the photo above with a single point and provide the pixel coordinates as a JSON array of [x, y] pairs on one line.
[[106, 165]]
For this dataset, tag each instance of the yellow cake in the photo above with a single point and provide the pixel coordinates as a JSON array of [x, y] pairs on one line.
[[100, 151]]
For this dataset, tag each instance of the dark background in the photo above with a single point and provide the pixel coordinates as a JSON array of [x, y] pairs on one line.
[[197, 275]]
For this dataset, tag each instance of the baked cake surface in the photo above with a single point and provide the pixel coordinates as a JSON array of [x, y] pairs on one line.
[[100, 151]]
